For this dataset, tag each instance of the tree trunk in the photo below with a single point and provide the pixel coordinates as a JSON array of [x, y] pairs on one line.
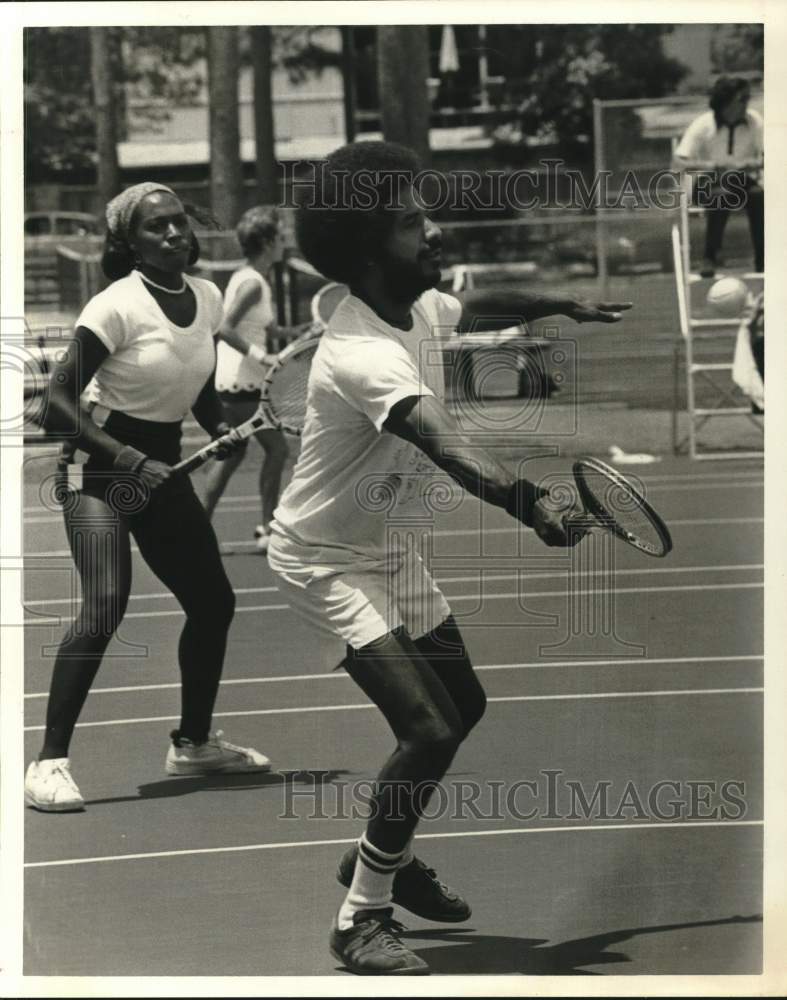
[[264, 133], [348, 81], [226, 171], [402, 72], [108, 179]]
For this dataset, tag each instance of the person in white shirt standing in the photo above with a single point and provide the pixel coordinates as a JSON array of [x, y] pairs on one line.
[[728, 140], [378, 438], [142, 357], [242, 355]]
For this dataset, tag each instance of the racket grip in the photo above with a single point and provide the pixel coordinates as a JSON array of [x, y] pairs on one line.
[[235, 435], [198, 458], [580, 523]]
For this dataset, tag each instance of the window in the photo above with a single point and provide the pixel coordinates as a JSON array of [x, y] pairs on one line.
[[38, 225]]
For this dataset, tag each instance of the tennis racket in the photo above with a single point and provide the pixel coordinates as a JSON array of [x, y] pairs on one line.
[[282, 400], [612, 503]]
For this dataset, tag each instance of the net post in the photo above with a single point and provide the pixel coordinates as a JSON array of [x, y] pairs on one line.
[[598, 165], [675, 398]]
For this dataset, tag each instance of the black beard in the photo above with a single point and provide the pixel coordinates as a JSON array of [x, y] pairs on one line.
[[405, 281]]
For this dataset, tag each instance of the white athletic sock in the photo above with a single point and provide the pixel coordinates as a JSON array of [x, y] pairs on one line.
[[372, 882]]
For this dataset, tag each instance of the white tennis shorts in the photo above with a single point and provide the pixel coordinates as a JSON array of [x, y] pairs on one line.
[[358, 606]]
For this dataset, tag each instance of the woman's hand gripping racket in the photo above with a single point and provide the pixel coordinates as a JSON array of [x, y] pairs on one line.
[[612, 503], [282, 400]]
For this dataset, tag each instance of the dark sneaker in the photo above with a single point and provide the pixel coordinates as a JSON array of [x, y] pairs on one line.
[[417, 889], [707, 268], [370, 947]]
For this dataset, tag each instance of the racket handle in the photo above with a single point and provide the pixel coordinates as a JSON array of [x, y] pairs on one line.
[[237, 434], [583, 523], [199, 457]]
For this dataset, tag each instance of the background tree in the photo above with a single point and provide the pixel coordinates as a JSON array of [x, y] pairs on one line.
[[737, 48], [101, 71], [226, 174], [553, 73], [59, 119], [155, 67], [264, 134], [403, 68]]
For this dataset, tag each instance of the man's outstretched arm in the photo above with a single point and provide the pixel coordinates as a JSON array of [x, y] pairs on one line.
[[496, 308], [425, 422]]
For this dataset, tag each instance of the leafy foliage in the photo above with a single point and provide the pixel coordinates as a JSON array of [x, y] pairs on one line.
[[738, 48], [59, 121], [302, 51], [155, 69], [554, 72]]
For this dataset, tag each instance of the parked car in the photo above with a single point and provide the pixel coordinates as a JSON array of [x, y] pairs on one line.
[[58, 224], [44, 233]]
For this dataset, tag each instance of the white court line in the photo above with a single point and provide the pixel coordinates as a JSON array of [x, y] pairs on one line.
[[244, 505], [557, 574], [679, 482], [289, 844], [334, 674], [454, 532], [303, 709], [43, 620]]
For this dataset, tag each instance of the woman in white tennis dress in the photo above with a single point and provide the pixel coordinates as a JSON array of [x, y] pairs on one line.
[[242, 357]]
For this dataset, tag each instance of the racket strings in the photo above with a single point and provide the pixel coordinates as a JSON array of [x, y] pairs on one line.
[[620, 508], [287, 390], [632, 520]]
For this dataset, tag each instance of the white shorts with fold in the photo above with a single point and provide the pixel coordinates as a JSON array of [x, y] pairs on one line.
[[359, 605]]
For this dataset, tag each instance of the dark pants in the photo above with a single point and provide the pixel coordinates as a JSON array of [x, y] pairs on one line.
[[177, 541], [718, 215]]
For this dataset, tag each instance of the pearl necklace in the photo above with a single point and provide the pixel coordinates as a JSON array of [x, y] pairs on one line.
[[163, 288]]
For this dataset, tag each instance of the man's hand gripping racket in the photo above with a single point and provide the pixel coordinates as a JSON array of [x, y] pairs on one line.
[[612, 503], [282, 400], [609, 502]]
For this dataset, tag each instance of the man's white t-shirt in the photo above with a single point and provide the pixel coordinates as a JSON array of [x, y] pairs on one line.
[[155, 369], [727, 146], [351, 472], [236, 372]]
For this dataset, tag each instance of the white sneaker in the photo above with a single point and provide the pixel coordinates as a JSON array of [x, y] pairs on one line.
[[215, 756], [50, 787]]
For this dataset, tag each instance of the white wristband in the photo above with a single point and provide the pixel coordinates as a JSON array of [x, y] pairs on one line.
[[129, 459], [256, 354]]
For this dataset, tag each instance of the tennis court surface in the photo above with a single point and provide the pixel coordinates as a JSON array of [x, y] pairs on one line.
[[605, 817]]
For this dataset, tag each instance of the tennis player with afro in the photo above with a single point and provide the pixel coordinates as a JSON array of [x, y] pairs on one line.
[[377, 433]]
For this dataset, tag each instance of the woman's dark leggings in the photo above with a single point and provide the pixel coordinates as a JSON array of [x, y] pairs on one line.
[[177, 541]]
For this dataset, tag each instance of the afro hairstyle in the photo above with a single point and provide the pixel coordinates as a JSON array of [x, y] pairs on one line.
[[348, 212]]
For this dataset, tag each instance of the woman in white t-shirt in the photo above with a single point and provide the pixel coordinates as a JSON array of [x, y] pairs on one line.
[[142, 357], [242, 356]]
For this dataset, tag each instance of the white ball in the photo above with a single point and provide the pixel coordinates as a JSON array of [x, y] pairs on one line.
[[727, 297]]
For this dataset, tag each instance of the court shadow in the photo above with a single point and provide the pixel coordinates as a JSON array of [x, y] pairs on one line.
[[174, 786], [469, 954]]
